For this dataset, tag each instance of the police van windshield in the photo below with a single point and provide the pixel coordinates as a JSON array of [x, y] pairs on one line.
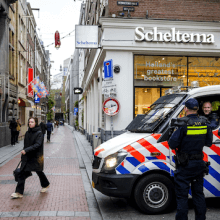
[[160, 109]]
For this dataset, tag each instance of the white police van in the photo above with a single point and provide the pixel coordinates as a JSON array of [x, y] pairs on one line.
[[139, 163]]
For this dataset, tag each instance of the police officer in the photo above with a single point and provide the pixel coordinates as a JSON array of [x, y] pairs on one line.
[[212, 117], [188, 140]]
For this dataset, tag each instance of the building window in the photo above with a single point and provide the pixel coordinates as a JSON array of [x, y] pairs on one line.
[[160, 71], [154, 74], [21, 70], [205, 70]]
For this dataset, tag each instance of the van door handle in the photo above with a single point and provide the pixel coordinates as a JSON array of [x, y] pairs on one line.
[[216, 142]]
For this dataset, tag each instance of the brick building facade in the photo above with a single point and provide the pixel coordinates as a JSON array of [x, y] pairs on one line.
[[190, 10], [154, 45]]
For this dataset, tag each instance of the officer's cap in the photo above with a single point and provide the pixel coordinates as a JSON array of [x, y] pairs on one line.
[[192, 104]]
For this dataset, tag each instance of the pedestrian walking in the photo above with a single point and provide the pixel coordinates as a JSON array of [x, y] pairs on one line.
[[18, 130], [43, 127], [49, 130], [13, 127], [32, 158], [188, 140]]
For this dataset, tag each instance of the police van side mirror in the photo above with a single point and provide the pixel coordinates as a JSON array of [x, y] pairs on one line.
[[173, 122]]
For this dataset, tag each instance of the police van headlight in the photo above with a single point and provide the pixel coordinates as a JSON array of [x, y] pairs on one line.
[[112, 161]]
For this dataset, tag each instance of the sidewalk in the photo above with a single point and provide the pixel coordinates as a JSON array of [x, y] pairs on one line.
[[8, 152], [110, 208], [70, 194]]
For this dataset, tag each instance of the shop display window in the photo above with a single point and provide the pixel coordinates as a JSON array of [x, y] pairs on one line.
[[153, 75], [160, 71], [205, 70], [144, 97]]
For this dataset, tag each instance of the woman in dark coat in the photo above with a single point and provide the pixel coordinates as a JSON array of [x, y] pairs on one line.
[[32, 158]]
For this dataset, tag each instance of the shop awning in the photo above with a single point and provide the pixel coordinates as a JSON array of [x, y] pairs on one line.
[[24, 102]]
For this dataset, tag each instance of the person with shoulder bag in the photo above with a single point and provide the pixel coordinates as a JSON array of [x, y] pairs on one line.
[[18, 130], [32, 159]]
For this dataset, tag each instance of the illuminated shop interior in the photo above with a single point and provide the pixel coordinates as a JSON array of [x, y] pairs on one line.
[[155, 74]]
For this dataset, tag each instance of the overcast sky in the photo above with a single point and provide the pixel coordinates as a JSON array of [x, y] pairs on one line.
[[57, 15]]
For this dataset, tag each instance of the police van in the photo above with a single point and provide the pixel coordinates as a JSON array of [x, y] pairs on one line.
[[139, 164]]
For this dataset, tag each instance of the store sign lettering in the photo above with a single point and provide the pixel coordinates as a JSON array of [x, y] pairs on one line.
[[160, 78], [152, 75], [172, 36]]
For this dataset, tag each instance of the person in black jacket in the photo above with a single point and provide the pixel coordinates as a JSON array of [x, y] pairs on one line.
[[32, 158], [43, 127], [13, 127], [49, 130]]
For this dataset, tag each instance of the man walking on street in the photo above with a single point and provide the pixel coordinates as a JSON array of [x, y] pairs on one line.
[[49, 130], [190, 136], [43, 127], [18, 130], [13, 127]]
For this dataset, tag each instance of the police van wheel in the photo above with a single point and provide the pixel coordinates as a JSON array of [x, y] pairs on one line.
[[154, 194]]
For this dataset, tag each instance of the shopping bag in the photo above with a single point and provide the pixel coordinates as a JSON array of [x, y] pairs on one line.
[[16, 172]]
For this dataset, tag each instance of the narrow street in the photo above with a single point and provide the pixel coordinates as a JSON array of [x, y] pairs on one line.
[[70, 196], [66, 197]]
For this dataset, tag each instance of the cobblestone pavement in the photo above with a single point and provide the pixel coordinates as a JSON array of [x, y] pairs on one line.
[[121, 209], [68, 160], [65, 199]]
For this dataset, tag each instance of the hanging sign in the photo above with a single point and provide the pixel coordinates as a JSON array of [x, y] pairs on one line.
[[75, 111], [57, 40], [30, 79], [36, 98], [111, 106], [86, 36], [108, 69], [78, 90]]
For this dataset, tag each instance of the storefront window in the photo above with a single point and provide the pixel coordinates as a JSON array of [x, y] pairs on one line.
[[144, 97], [204, 70], [160, 71], [153, 75]]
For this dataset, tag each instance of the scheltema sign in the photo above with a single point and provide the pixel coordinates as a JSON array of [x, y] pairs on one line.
[[86, 36], [174, 36]]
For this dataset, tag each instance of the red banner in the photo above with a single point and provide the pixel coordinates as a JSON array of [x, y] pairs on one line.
[[30, 78]]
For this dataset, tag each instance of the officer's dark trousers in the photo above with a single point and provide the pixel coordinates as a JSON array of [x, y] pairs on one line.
[[48, 135], [192, 173], [23, 176]]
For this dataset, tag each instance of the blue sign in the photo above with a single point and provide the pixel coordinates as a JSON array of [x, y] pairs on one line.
[[36, 98], [108, 69], [75, 111]]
